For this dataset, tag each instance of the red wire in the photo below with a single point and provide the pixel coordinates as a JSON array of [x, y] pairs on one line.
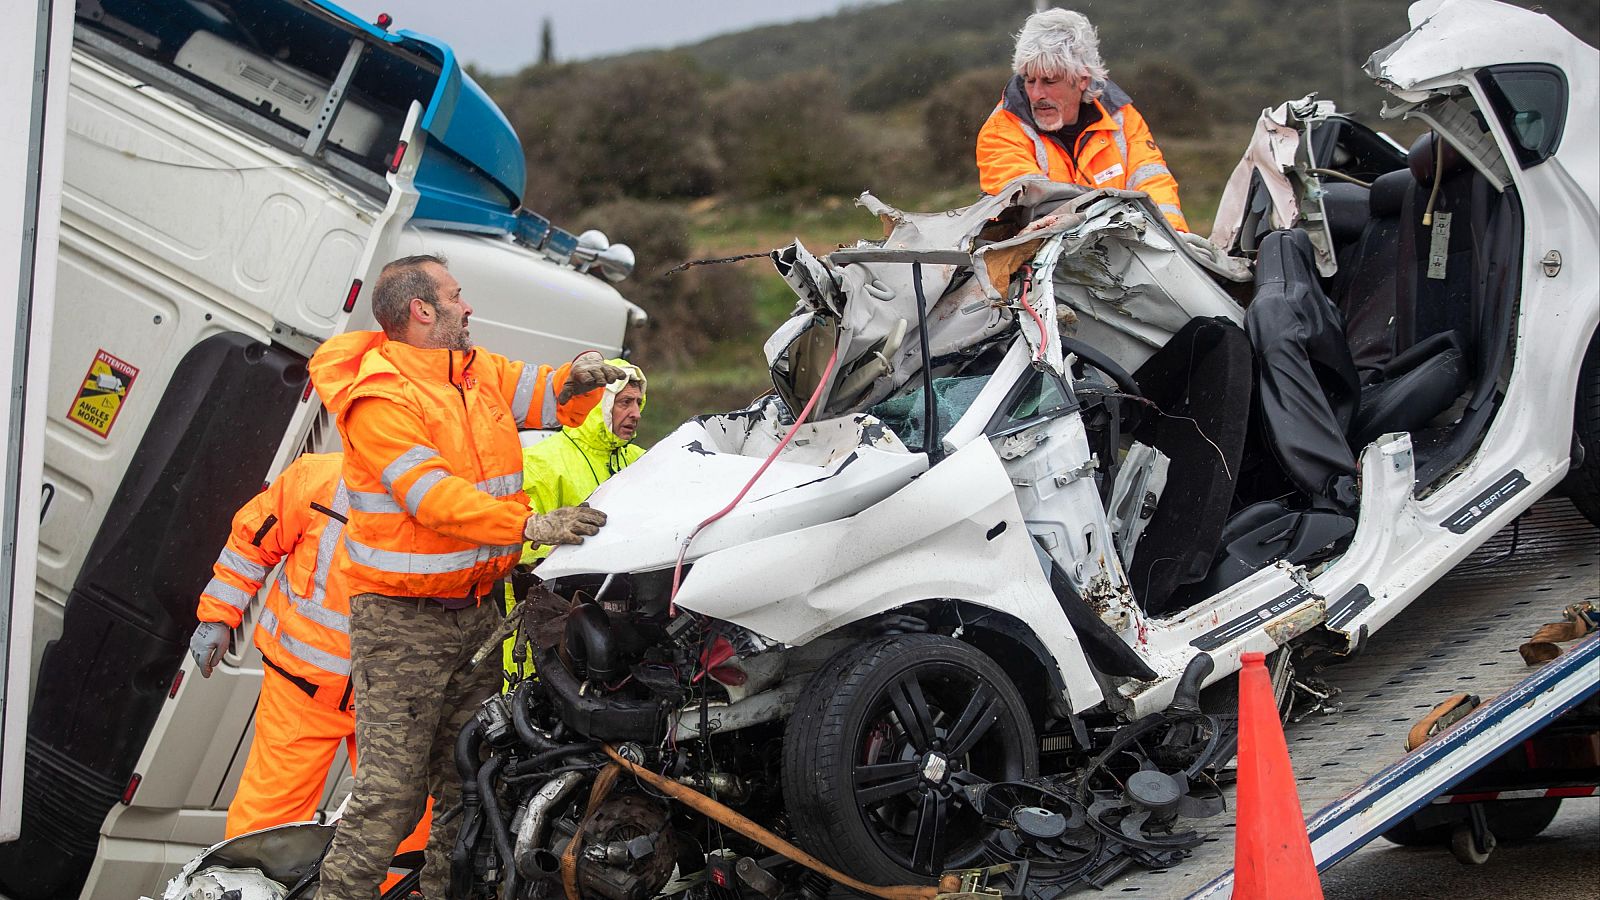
[[1044, 336], [677, 570]]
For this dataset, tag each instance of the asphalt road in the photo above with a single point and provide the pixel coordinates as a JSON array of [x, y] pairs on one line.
[[1562, 862]]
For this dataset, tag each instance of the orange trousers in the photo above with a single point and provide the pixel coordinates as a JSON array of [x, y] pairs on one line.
[[295, 744]]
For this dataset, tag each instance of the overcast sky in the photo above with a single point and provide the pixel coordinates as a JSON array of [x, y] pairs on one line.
[[503, 35]]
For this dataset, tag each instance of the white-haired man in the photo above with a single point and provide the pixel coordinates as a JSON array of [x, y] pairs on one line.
[[1062, 117]]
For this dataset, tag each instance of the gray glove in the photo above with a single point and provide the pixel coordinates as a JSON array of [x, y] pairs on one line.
[[207, 645], [589, 371], [567, 525]]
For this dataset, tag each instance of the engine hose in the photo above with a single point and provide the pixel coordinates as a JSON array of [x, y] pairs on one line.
[[589, 641], [711, 809], [524, 726], [536, 763], [467, 746], [496, 822], [1186, 699]]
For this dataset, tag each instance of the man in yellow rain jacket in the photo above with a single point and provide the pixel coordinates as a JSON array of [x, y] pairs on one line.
[[1063, 118], [565, 468]]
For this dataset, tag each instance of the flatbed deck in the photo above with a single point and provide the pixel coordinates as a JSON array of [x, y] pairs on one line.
[[1461, 635]]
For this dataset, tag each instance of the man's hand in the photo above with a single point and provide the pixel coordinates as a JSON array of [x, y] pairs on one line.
[[567, 525], [589, 371], [207, 645]]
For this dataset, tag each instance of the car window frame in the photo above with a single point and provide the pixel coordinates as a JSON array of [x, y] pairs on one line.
[[1501, 105]]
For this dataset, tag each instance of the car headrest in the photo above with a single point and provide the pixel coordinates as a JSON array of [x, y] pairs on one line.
[[1389, 193], [1346, 206], [1430, 151]]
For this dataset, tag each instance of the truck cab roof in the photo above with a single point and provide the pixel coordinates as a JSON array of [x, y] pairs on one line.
[[295, 69]]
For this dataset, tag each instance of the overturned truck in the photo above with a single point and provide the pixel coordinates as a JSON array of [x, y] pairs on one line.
[[1035, 471]]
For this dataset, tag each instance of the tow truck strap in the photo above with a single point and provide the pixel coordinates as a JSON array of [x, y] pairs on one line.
[[710, 808], [569, 857]]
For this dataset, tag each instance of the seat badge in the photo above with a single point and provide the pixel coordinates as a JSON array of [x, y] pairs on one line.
[[1439, 245]]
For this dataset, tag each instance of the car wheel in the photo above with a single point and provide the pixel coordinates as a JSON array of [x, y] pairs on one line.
[[1583, 483], [880, 746]]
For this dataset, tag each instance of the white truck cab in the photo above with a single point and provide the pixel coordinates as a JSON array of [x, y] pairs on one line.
[[233, 178]]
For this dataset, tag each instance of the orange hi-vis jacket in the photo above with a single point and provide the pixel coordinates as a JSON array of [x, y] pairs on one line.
[[432, 460], [304, 628], [1114, 150]]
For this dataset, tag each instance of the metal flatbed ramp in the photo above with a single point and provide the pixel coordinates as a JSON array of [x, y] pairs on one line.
[[1461, 635]]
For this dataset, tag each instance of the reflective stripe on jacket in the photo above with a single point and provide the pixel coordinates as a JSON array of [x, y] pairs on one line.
[[432, 460], [1115, 150], [304, 627]]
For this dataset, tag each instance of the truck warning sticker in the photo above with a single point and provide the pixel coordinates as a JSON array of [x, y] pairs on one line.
[[102, 392]]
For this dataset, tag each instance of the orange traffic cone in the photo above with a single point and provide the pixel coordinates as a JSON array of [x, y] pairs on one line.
[[1271, 854]]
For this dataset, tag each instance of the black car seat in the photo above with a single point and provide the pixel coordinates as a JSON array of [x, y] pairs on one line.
[[1200, 383], [1366, 286]]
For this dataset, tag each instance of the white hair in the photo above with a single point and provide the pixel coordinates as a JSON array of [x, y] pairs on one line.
[[1060, 42]]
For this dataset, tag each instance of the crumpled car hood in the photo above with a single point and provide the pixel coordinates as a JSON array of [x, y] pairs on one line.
[[834, 468]]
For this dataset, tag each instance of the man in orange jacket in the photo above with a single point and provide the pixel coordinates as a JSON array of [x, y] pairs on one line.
[[433, 467], [1063, 118], [305, 708]]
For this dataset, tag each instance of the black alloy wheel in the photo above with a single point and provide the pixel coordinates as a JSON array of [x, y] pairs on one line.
[[882, 745]]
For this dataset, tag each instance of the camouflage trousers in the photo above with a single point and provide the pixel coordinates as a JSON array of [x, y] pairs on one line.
[[414, 690]]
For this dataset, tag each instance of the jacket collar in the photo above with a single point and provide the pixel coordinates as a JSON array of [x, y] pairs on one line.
[[357, 363], [452, 367]]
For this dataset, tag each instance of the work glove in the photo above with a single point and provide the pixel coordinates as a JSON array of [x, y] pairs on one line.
[[207, 645], [567, 525], [589, 371]]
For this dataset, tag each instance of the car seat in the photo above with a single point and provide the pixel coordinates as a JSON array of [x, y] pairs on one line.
[[1200, 385]]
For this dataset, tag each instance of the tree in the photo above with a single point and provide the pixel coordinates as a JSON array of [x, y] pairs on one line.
[[952, 116], [906, 76], [547, 43], [789, 135], [688, 310], [1170, 98], [595, 133]]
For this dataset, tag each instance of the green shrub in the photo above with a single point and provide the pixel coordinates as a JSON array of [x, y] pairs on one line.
[[952, 116], [790, 135], [688, 310]]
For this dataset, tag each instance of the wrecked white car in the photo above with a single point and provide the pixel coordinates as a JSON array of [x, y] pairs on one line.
[[1036, 470]]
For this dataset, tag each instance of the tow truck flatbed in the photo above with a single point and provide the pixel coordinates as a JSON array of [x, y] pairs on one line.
[[1353, 776]]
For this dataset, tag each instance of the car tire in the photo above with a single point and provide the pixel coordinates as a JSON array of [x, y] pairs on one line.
[[880, 744], [1583, 482]]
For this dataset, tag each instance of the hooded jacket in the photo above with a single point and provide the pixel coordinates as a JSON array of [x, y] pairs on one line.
[[564, 469], [304, 629], [1113, 149], [432, 460]]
